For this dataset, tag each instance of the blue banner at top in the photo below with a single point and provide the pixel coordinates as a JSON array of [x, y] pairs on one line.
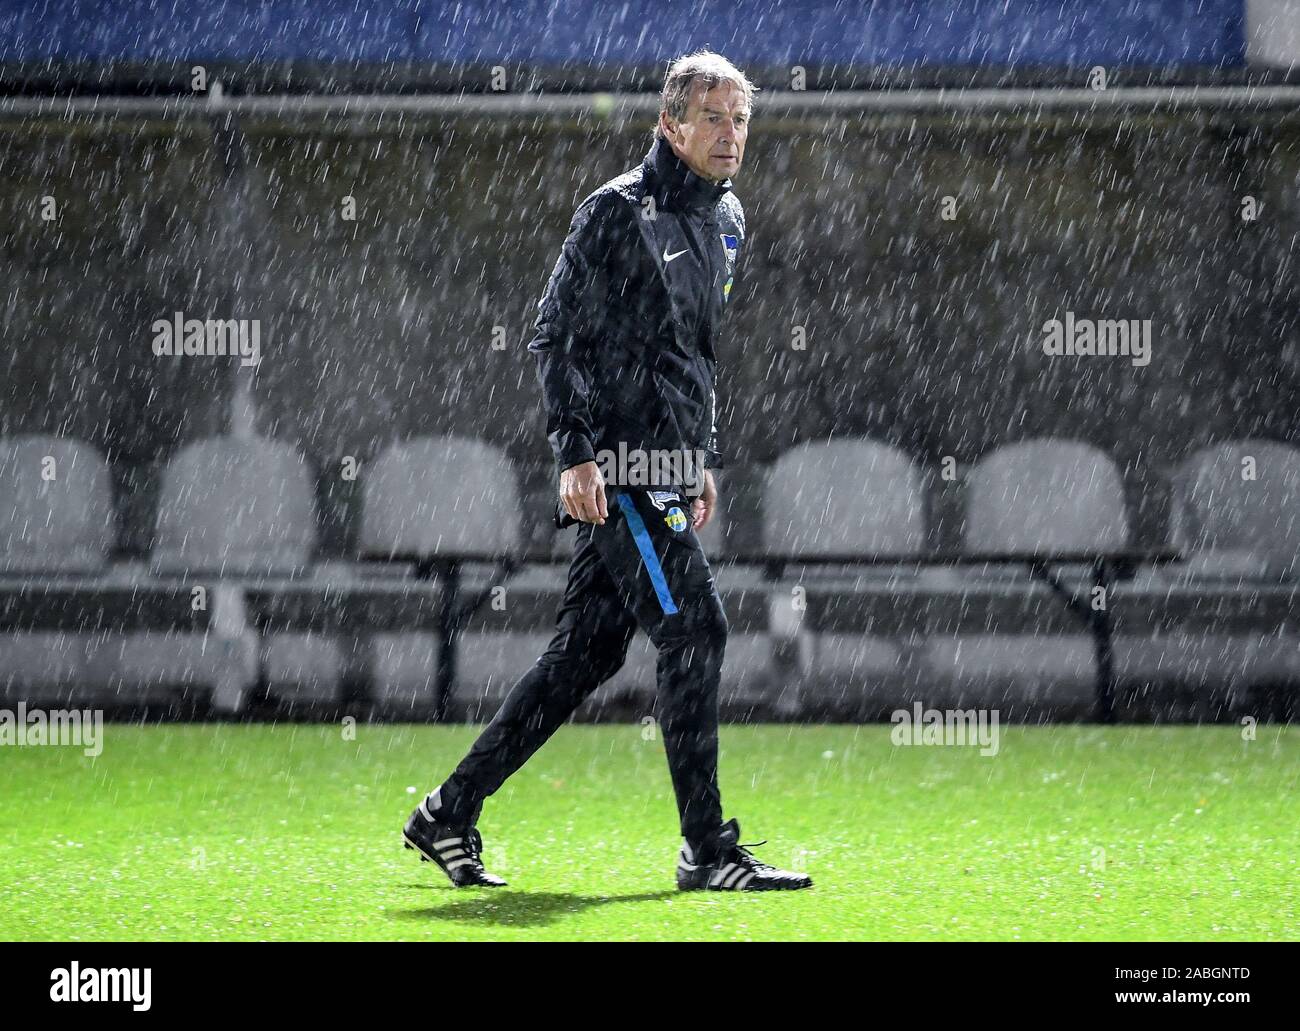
[[996, 33]]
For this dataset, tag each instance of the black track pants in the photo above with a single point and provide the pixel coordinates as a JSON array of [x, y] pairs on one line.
[[644, 567]]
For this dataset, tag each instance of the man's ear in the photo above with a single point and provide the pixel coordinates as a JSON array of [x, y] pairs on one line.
[[667, 124]]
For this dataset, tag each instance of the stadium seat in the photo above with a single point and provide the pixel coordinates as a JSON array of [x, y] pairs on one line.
[[1045, 495], [852, 497], [1236, 511], [56, 519], [58, 530], [849, 496], [443, 497], [1222, 621], [236, 508], [1010, 641], [57, 513]]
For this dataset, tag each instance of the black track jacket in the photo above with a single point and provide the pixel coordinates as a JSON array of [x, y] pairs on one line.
[[626, 326]]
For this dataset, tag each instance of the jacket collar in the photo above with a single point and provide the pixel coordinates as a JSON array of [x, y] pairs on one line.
[[675, 185]]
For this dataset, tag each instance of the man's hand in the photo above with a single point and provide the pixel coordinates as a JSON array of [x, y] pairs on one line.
[[703, 507], [582, 492]]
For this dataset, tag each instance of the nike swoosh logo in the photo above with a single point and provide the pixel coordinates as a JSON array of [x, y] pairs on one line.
[[669, 257]]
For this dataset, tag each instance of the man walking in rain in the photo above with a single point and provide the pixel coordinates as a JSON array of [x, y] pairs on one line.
[[625, 350]]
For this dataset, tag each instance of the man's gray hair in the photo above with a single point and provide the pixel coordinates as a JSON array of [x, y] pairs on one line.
[[707, 67]]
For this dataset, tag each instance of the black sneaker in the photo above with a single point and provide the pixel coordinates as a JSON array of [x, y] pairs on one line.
[[456, 850], [735, 869]]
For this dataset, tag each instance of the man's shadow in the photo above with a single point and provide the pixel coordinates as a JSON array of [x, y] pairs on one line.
[[505, 908]]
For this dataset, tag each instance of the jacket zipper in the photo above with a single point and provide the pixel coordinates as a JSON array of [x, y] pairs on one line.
[[714, 273]]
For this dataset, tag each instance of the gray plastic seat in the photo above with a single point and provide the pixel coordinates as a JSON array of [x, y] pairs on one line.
[[440, 496], [232, 508], [1228, 526], [852, 497], [56, 506], [56, 518], [66, 527], [443, 496], [1045, 495], [1234, 534], [849, 496], [1034, 496], [236, 507]]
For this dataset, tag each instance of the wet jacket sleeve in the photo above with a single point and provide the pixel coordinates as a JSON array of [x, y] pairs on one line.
[[566, 321]]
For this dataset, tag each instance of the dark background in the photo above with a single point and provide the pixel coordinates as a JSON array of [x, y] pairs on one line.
[[921, 332]]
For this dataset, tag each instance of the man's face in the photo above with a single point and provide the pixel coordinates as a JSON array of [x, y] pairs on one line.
[[711, 138]]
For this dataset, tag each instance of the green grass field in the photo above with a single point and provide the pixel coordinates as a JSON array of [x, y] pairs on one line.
[[292, 832]]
